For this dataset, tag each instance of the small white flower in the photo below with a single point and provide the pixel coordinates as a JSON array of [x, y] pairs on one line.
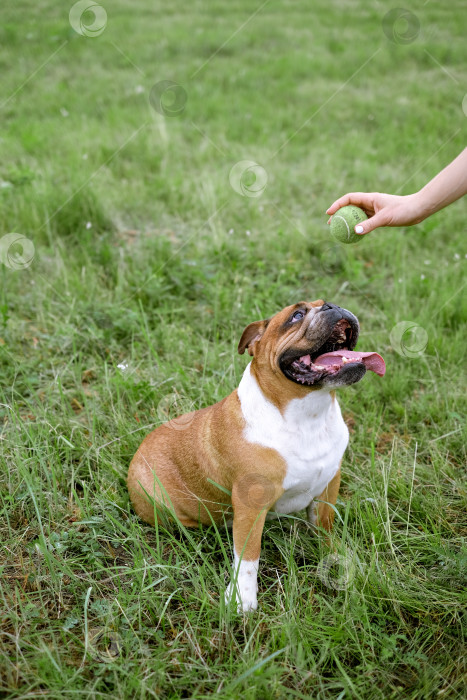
[[231, 231], [88, 225], [64, 112], [248, 233], [427, 262], [85, 156], [123, 366], [139, 89], [422, 277], [457, 256]]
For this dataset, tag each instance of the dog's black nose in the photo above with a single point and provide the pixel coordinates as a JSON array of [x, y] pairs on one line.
[[327, 306]]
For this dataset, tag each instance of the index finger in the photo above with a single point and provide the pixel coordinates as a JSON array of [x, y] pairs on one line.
[[360, 199], [341, 202]]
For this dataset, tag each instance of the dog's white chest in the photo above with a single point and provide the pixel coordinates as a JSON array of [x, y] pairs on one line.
[[311, 436]]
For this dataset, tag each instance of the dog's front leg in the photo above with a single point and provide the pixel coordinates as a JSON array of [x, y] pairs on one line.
[[250, 506], [247, 531]]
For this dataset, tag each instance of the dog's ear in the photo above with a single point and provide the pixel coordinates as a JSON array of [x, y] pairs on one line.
[[251, 335]]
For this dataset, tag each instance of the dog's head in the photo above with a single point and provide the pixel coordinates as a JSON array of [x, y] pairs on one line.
[[309, 346]]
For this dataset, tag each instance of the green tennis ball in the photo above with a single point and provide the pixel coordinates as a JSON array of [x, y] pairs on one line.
[[344, 221]]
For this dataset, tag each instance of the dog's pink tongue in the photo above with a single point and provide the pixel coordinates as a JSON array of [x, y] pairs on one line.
[[371, 360]]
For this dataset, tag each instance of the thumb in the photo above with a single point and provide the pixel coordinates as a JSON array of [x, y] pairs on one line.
[[370, 224]]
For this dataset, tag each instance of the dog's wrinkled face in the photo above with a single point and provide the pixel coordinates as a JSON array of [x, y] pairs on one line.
[[309, 344]]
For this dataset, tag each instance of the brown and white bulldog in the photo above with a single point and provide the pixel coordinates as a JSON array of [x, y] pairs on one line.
[[275, 443]]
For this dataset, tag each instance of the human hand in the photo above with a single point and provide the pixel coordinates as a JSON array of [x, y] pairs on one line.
[[382, 209]]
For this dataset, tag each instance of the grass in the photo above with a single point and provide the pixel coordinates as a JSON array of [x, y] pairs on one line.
[[147, 267]]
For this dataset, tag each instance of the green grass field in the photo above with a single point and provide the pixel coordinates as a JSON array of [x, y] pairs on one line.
[[143, 267]]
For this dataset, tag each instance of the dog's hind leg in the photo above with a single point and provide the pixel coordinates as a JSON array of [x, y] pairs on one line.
[[319, 512]]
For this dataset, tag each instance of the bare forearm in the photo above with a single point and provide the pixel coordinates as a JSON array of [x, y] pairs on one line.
[[450, 184]]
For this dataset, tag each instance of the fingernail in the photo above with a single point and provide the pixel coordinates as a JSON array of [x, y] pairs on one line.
[[358, 229]]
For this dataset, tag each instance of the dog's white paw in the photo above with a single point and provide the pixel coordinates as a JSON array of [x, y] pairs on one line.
[[244, 585], [246, 597]]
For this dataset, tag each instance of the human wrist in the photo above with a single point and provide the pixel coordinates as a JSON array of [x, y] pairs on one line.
[[423, 205]]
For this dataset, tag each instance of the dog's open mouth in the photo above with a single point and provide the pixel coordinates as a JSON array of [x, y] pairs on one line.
[[331, 358]]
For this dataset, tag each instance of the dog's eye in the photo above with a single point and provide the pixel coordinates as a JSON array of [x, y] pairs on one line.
[[297, 316]]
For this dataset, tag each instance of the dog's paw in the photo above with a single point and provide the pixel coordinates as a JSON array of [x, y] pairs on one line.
[[245, 596]]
